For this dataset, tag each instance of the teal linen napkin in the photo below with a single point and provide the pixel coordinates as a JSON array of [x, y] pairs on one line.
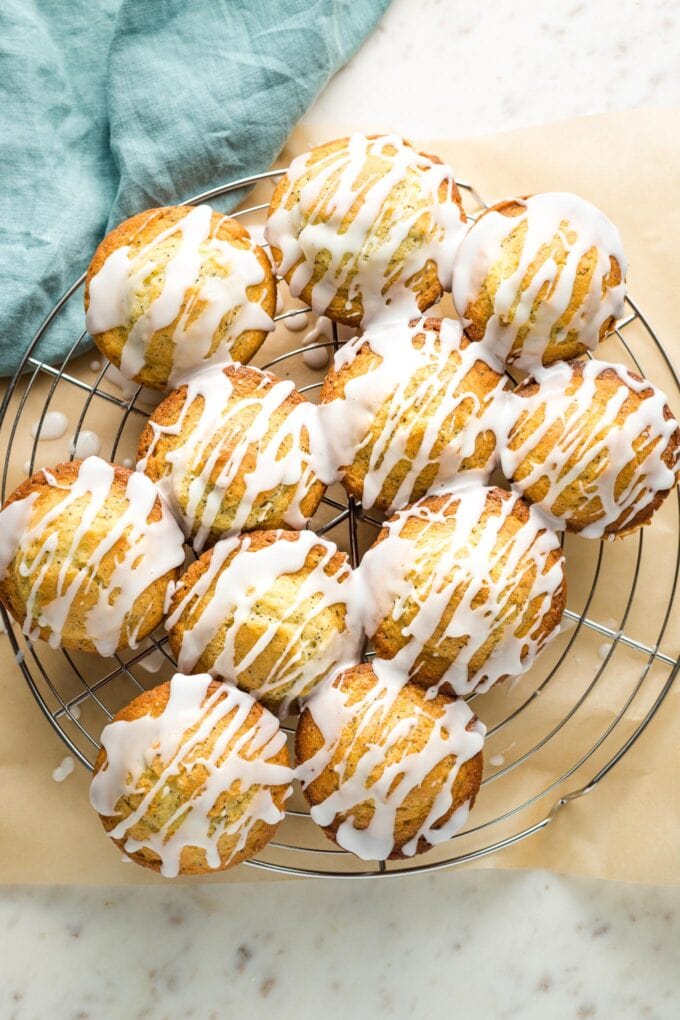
[[108, 107]]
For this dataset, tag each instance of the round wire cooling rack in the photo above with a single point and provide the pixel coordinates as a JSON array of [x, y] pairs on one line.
[[553, 734]]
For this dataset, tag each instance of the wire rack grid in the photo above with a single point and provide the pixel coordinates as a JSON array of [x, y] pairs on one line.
[[553, 735]]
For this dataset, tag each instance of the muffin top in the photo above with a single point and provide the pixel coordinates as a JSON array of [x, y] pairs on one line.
[[273, 612], [234, 450], [407, 407], [364, 224], [87, 552], [540, 278], [191, 776], [594, 445], [388, 771], [173, 290], [464, 589]]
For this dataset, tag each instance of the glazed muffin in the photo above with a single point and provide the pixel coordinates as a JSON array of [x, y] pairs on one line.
[[88, 553], [273, 612], [234, 450], [594, 445], [463, 590], [409, 407], [388, 772], [363, 223], [191, 777], [174, 290], [540, 278]]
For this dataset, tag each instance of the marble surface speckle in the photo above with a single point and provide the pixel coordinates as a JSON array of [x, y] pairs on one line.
[[454, 68], [485, 944], [481, 945]]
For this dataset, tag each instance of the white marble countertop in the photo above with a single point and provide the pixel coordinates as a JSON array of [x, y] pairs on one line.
[[476, 944], [456, 68], [481, 945]]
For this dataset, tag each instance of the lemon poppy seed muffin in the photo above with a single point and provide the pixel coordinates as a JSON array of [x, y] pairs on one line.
[[540, 278], [410, 406], [88, 552], [594, 445], [388, 772], [463, 590], [191, 777], [364, 223], [273, 612], [234, 450], [173, 290]]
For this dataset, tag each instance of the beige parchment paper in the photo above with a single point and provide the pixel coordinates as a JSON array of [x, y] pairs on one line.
[[629, 826]]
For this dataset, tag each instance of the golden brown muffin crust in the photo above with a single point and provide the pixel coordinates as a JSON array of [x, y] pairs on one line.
[[192, 859], [147, 611], [439, 654], [610, 381], [413, 811], [315, 628], [270, 506], [425, 284], [481, 381], [481, 308], [138, 232]]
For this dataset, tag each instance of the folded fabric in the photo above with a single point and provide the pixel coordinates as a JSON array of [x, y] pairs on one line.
[[108, 107]]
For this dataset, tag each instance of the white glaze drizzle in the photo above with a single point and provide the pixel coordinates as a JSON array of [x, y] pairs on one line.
[[358, 255], [114, 288], [15, 520], [321, 332], [244, 581], [579, 226], [142, 394], [347, 421], [466, 559], [448, 735], [131, 748], [586, 435], [152, 549], [87, 444], [316, 357], [52, 426], [296, 323], [63, 769], [153, 662], [196, 456]]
